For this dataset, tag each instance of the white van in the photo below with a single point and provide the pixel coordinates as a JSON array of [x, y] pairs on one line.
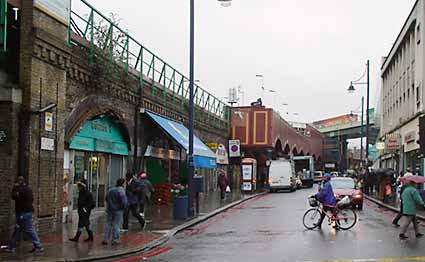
[[282, 175]]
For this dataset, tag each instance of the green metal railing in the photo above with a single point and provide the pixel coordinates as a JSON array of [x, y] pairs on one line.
[[3, 25], [105, 35]]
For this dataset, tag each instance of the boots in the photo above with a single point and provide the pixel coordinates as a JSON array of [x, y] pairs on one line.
[[77, 236], [90, 238]]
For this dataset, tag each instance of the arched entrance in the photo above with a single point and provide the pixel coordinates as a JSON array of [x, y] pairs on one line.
[[97, 152]]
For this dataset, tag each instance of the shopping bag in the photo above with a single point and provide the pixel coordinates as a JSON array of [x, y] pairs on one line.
[[227, 189]]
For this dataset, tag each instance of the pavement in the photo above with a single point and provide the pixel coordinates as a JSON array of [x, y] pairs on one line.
[[159, 228], [393, 205], [270, 228]]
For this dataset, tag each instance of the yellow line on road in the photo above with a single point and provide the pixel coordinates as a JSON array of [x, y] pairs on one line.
[[378, 259]]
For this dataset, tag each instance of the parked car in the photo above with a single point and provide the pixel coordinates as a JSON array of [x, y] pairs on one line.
[[318, 175], [282, 175], [345, 186]]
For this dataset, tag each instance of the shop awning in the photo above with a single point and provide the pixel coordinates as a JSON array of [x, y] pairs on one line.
[[204, 157]]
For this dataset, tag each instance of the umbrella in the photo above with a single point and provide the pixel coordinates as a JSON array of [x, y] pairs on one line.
[[414, 179]]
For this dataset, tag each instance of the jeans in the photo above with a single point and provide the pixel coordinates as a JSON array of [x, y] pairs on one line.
[[323, 214], [134, 211], [24, 225], [113, 222]]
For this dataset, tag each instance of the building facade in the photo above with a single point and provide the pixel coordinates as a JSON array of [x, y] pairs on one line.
[[402, 95]]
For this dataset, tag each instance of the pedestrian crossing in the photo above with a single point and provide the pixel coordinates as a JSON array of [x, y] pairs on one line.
[[399, 259]]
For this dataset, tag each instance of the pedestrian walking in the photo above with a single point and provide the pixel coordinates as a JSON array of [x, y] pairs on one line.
[[145, 195], [132, 191], [223, 182], [400, 213], [116, 202], [410, 198], [85, 205], [23, 197]]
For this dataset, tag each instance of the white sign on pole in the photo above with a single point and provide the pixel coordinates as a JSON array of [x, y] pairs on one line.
[[234, 148], [47, 144], [58, 9], [380, 145], [221, 154], [48, 121]]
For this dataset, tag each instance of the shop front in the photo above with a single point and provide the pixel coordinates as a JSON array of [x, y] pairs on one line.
[[165, 157], [97, 153]]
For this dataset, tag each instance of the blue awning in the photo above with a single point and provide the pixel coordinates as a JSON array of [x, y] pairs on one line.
[[204, 157]]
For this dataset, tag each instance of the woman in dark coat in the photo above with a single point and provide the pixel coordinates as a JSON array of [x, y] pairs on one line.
[[85, 205]]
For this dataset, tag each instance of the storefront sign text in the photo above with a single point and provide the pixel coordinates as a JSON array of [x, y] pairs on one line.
[[392, 142], [161, 153], [410, 137]]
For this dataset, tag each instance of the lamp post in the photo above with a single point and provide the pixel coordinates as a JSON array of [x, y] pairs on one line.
[[351, 89], [190, 157]]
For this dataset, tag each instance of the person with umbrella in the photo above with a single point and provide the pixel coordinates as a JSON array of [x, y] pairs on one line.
[[411, 198]]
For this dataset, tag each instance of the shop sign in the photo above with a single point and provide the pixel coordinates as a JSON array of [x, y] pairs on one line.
[[3, 136], [47, 144], [221, 154], [212, 145], [410, 136], [380, 145], [330, 165], [234, 148], [392, 141], [48, 121], [161, 153], [58, 9]]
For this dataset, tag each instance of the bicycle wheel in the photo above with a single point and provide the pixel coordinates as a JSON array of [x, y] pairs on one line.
[[346, 218], [311, 218]]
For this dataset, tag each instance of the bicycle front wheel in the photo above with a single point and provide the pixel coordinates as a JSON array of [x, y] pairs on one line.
[[311, 218], [346, 218]]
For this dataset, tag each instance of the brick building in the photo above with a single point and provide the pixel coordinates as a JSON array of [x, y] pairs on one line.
[[64, 116]]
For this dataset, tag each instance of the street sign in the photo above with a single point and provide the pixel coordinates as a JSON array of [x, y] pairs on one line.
[[48, 121], [221, 155], [47, 144], [234, 148]]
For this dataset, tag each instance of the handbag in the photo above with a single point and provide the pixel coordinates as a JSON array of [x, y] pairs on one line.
[[227, 189]]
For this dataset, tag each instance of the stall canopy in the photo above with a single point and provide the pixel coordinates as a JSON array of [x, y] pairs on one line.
[[203, 156]]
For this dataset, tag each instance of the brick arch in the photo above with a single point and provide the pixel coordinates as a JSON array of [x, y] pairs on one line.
[[89, 108]]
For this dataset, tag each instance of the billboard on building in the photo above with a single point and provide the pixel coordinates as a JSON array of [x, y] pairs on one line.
[[336, 121]]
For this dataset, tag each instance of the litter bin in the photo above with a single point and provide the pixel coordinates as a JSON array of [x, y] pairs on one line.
[[180, 206], [198, 184]]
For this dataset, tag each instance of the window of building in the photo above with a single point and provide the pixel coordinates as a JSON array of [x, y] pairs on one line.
[[418, 34]]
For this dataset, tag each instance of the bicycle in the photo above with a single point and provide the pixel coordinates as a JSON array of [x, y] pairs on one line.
[[344, 218]]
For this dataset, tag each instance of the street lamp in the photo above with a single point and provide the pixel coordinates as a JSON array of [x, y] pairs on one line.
[[351, 89], [190, 157]]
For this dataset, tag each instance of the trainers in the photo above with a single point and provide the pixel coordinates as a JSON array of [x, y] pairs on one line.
[[402, 237], [115, 242], [9, 250], [142, 215], [419, 235], [396, 225], [123, 230], [37, 250], [104, 242]]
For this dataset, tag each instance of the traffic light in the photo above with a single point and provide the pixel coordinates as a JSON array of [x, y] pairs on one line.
[[422, 135]]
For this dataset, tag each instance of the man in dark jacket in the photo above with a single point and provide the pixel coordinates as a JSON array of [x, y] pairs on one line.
[[23, 197], [116, 203], [326, 197], [85, 205], [132, 191]]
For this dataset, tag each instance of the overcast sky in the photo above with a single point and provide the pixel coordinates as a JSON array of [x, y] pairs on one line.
[[307, 50]]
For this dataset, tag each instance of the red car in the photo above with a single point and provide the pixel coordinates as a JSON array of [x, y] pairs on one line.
[[345, 186]]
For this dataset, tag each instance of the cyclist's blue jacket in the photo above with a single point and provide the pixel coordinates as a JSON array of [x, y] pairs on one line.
[[326, 195]]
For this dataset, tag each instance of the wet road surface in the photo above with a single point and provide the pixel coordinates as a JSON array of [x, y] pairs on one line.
[[269, 228]]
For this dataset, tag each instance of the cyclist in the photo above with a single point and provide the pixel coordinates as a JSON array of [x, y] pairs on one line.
[[326, 197]]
